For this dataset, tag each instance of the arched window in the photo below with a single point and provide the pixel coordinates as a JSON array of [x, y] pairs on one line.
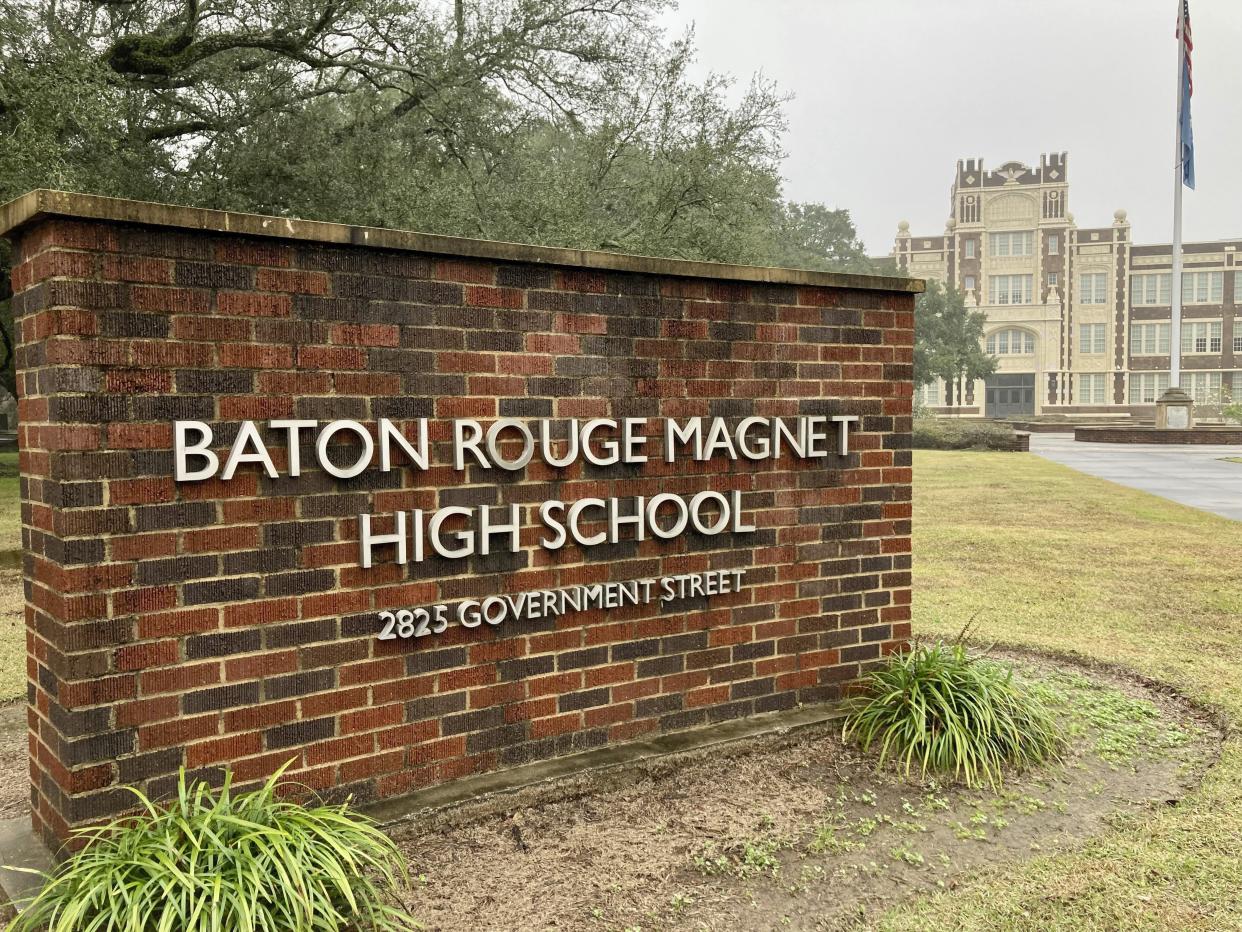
[[1011, 343]]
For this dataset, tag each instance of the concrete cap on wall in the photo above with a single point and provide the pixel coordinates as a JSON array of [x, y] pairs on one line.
[[47, 203]]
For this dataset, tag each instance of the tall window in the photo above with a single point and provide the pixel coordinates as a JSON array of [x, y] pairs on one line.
[[1054, 244], [1149, 339], [1092, 388], [928, 394], [1237, 337], [1146, 387], [1093, 288], [1151, 288], [969, 283], [1011, 343], [1009, 289], [1053, 279], [1092, 338], [969, 246], [1204, 387], [1203, 287], [1019, 243], [1201, 336]]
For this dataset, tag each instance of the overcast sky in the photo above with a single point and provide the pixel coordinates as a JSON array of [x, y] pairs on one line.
[[889, 94]]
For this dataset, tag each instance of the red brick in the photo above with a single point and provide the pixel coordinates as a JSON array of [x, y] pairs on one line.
[[177, 731], [271, 663], [140, 436], [372, 719], [554, 684], [260, 613], [180, 622], [138, 381], [254, 356], [608, 715], [143, 600], [372, 765], [137, 269], [261, 716], [293, 281], [218, 539], [340, 749], [180, 679], [246, 304], [210, 328], [223, 750], [147, 711], [437, 750], [149, 654], [581, 323], [456, 270], [253, 252], [482, 296], [465, 362], [248, 408], [557, 725], [331, 357], [141, 491], [372, 671]]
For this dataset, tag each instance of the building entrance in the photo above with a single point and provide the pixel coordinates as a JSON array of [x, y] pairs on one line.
[[1012, 393]]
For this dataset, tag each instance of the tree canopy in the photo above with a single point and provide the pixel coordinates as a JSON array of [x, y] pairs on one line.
[[568, 122], [947, 339], [561, 122]]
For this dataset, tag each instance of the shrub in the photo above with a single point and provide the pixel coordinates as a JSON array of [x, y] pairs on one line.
[[939, 433], [953, 714], [223, 862]]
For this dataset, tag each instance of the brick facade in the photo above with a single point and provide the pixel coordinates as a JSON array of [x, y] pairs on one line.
[[221, 624], [1087, 283]]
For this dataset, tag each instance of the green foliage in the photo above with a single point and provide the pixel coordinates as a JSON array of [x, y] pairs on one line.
[[812, 236], [544, 121], [946, 433], [948, 712], [947, 338], [216, 861], [541, 121]]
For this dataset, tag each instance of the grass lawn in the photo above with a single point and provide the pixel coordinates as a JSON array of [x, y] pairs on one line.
[[1054, 559], [10, 504], [12, 624]]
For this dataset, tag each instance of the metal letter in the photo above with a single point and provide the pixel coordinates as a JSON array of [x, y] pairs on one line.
[[181, 450]]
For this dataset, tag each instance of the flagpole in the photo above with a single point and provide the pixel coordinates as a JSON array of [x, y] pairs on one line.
[[1175, 298]]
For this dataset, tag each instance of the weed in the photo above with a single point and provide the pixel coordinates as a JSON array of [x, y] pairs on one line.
[[906, 856], [826, 840], [969, 834]]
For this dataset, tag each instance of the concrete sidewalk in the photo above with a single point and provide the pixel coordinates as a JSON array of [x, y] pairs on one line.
[[1193, 475]]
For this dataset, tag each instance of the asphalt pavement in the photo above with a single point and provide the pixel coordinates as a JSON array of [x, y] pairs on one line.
[[1196, 475]]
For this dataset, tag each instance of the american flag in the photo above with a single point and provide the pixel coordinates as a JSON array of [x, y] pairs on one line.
[[1185, 132]]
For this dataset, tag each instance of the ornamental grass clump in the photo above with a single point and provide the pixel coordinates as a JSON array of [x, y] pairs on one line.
[[215, 861], [948, 713]]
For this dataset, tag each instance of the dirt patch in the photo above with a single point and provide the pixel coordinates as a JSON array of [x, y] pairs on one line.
[[801, 832]]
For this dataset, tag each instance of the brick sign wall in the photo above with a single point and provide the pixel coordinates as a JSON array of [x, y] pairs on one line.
[[211, 624]]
